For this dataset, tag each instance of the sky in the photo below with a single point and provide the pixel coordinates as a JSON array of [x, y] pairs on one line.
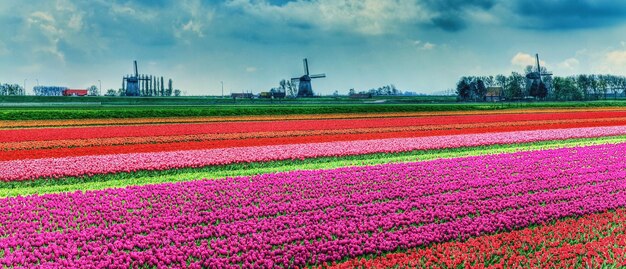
[[418, 45]]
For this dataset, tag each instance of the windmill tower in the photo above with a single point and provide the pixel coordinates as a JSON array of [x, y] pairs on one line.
[[304, 82], [538, 74], [538, 88], [132, 83]]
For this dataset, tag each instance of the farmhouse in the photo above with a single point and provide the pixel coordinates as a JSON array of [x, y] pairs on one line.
[[75, 92], [494, 94]]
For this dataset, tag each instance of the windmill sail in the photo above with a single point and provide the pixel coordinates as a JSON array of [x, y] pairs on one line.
[[304, 82]]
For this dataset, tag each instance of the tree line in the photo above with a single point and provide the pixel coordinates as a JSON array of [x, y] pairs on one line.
[[387, 90], [518, 87], [11, 89]]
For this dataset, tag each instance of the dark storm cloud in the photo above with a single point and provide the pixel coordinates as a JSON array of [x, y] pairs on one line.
[[280, 2], [569, 14], [452, 14], [449, 22]]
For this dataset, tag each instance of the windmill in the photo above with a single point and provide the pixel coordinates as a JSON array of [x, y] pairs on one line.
[[539, 89], [304, 82], [538, 74], [132, 83]]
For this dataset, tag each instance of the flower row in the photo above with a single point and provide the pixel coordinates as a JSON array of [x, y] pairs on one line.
[[274, 126], [121, 180], [417, 130], [310, 217], [103, 164], [588, 242], [134, 121], [268, 141]]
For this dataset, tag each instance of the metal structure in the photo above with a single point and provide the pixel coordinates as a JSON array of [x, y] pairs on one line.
[[145, 85], [304, 82], [538, 74]]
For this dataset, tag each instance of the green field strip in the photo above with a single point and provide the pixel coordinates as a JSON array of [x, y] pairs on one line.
[[155, 107], [120, 180]]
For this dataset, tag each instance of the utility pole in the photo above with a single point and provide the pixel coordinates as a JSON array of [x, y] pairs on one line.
[[100, 89], [222, 88], [25, 85]]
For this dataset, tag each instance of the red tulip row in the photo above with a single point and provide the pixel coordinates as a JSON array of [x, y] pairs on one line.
[[587, 242], [274, 126], [278, 139], [417, 130]]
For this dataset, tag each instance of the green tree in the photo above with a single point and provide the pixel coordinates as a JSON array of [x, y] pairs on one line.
[[583, 83], [514, 86], [93, 90], [566, 89], [110, 92], [481, 90], [463, 89]]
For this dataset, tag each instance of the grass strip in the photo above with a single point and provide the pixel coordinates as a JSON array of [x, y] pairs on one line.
[[163, 111], [120, 180]]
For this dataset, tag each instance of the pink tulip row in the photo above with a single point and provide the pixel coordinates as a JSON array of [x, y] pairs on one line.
[[103, 164], [309, 217]]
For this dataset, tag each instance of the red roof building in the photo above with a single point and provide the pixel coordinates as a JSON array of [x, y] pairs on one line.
[[75, 92]]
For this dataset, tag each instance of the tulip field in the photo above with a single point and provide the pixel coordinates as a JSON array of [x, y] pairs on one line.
[[517, 188]]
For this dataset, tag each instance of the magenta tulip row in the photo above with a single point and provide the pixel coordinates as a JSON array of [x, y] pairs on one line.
[[103, 164], [309, 217]]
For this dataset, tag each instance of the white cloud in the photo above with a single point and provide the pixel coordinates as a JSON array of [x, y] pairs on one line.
[[523, 59], [428, 46], [195, 28], [423, 46], [38, 17], [483, 16], [65, 5], [46, 25], [251, 69], [137, 12], [122, 9], [617, 57], [569, 64], [198, 17], [76, 22], [614, 62]]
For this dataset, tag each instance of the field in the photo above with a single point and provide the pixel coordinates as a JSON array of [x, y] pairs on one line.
[[313, 185]]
